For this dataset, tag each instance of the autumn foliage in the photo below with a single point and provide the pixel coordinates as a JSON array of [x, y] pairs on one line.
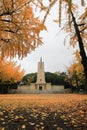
[[72, 18], [76, 76], [10, 73], [19, 28]]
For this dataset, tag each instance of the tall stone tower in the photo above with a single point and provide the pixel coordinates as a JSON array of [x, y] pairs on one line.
[[40, 83], [40, 72]]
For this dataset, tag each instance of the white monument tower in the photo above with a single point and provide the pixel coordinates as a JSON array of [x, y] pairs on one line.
[[41, 75], [40, 72]]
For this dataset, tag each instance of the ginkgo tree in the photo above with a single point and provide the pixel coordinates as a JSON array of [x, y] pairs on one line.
[[10, 74], [75, 21], [76, 76], [19, 28]]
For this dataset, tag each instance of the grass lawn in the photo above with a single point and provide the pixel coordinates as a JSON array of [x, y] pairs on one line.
[[43, 112]]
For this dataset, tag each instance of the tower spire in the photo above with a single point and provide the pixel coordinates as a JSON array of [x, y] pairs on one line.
[[40, 59]]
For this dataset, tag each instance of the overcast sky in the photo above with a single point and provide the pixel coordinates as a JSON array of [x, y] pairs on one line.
[[55, 55]]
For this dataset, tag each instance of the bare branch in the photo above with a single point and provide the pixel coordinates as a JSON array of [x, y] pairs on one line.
[[48, 10], [82, 24], [83, 29]]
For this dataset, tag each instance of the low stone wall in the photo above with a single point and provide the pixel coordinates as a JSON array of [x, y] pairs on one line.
[[26, 89], [23, 89], [58, 89]]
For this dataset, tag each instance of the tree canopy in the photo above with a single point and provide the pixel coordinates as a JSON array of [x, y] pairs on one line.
[[20, 23], [10, 73], [75, 21], [76, 76], [19, 28]]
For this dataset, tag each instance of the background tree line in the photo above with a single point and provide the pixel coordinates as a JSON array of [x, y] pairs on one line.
[[52, 78]]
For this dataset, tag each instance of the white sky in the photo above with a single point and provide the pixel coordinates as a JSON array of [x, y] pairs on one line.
[[55, 55]]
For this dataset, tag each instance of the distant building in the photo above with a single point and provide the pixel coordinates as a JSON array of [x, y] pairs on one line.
[[41, 86]]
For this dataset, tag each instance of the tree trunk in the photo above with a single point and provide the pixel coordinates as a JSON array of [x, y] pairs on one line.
[[81, 48]]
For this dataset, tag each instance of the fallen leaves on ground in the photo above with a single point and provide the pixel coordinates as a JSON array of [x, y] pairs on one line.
[[43, 112]]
